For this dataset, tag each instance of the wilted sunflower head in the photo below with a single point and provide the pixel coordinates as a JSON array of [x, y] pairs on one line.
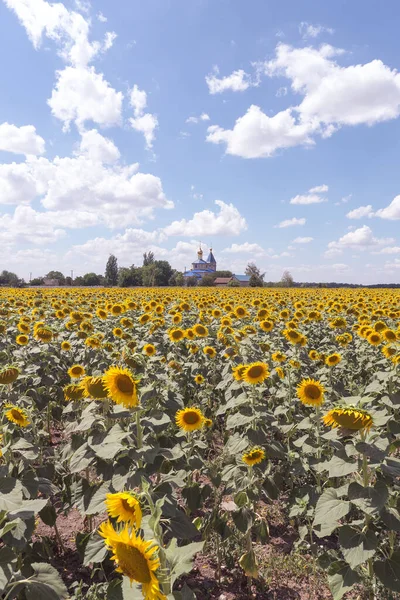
[[94, 387], [8, 375], [253, 456], [349, 417], [189, 419], [73, 391], [311, 392]]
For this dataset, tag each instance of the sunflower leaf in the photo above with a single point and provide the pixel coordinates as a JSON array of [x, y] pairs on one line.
[[330, 508], [357, 547], [341, 579], [388, 571]]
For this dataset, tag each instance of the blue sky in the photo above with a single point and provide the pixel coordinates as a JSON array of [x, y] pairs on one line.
[[269, 130]]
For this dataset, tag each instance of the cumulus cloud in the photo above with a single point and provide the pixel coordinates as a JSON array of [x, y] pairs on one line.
[[146, 123], [203, 117], [388, 250], [361, 212], [302, 240], [20, 140], [238, 81], [27, 225], [228, 221], [291, 222], [360, 239], [391, 212], [307, 199], [319, 189], [245, 248], [333, 97], [97, 147], [307, 30]]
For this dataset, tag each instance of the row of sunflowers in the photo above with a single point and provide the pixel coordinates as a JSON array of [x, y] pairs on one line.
[[171, 420]]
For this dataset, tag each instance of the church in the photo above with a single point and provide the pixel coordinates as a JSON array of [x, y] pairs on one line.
[[202, 267]]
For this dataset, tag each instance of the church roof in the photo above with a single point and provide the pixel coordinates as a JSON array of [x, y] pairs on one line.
[[211, 258]]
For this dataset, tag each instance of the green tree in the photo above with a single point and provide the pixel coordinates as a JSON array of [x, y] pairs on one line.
[[91, 279], [191, 281], [255, 281], [9, 279], [207, 281], [148, 258], [111, 274], [252, 269], [56, 275], [287, 279], [234, 283], [36, 281]]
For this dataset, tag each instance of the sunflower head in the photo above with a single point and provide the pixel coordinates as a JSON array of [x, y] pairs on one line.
[[125, 507], [73, 392], [199, 379], [8, 375], [176, 335], [22, 340], [253, 456], [200, 330], [94, 387], [17, 415], [121, 386], [311, 392], [189, 419], [349, 417], [76, 371], [149, 349], [333, 359], [238, 372], [210, 351], [255, 373]]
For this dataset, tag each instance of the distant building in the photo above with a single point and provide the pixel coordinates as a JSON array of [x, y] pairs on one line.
[[244, 280], [202, 267], [51, 282], [222, 281]]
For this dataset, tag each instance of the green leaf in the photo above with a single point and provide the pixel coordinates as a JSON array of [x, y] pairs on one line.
[[8, 527], [341, 579], [238, 420], [48, 515], [243, 519], [330, 508], [10, 493], [107, 445], [391, 518], [45, 584], [338, 467], [20, 535], [391, 466], [370, 500], [81, 459], [29, 508], [95, 550], [7, 564], [388, 571], [180, 559], [357, 547]]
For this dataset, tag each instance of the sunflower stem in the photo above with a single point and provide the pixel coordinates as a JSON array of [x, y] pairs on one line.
[[139, 436], [318, 418]]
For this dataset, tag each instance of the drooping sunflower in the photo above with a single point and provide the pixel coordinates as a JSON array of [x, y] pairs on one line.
[[176, 335], [189, 419], [333, 359], [388, 350], [280, 372], [125, 507], [73, 392], [8, 375], [199, 379], [278, 357], [43, 334], [121, 386], [311, 392], [349, 417], [135, 557], [238, 372], [255, 373], [389, 335], [22, 340], [17, 415], [76, 371], [253, 456], [149, 349], [94, 387]]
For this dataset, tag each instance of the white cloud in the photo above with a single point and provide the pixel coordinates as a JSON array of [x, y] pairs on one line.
[[256, 135], [307, 30], [319, 189], [388, 250], [146, 123], [282, 91], [228, 221], [202, 117], [238, 81], [361, 212], [21, 140], [245, 248], [302, 240], [391, 212], [333, 96], [291, 222], [82, 95], [307, 199], [98, 148], [361, 239], [101, 17], [109, 40], [27, 225]]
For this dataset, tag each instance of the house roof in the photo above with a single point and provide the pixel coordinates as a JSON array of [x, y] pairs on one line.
[[242, 277], [222, 280]]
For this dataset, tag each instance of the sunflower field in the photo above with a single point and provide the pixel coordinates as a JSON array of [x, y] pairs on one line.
[[150, 437]]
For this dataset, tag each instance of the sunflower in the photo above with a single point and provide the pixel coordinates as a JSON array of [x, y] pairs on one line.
[[278, 357], [22, 340], [94, 387], [210, 351], [93, 342], [189, 419], [124, 507], [76, 371], [149, 349], [23, 327], [389, 351], [134, 558], [333, 359], [238, 372], [313, 354], [253, 456], [389, 335], [176, 335], [280, 372], [255, 372], [189, 334], [374, 339], [199, 379], [65, 346], [17, 415], [73, 392], [348, 417], [311, 392], [101, 313], [240, 312], [117, 332], [43, 334], [8, 375], [208, 422], [121, 386], [143, 319], [200, 330], [266, 325], [292, 336]]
